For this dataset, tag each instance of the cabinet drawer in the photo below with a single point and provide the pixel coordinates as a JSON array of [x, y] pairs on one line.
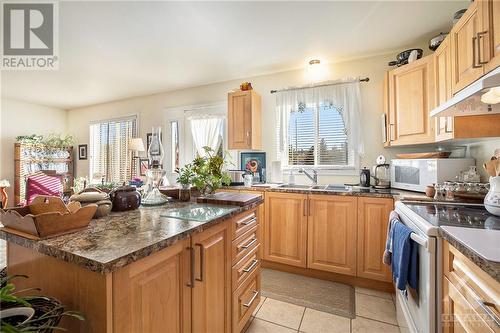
[[244, 244], [245, 300], [244, 222], [245, 267], [467, 314]]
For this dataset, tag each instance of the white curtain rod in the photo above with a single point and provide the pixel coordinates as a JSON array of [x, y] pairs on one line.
[[325, 84]]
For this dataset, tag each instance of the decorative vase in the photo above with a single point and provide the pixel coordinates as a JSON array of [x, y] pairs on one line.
[[185, 192], [492, 199]]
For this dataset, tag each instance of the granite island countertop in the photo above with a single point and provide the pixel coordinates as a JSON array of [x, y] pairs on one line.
[[114, 241]]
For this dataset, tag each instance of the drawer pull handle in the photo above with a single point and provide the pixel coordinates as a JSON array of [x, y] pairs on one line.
[[246, 221], [249, 244], [202, 261], [250, 302], [489, 308], [191, 273], [251, 267]]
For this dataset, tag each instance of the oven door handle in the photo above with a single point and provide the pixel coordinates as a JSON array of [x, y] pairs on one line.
[[419, 240]]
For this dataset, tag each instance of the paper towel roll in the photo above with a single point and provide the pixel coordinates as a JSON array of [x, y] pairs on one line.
[[276, 172]]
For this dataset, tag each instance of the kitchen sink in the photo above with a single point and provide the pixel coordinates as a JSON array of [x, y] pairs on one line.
[[338, 188], [319, 187], [292, 186]]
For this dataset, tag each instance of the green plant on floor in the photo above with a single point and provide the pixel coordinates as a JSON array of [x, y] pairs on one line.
[[48, 311], [208, 174]]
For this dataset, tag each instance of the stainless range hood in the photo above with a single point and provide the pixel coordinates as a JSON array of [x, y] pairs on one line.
[[467, 102]]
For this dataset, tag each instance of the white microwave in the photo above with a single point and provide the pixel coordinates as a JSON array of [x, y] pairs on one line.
[[416, 174]]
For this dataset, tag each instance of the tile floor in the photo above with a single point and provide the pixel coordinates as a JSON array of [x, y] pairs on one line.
[[375, 313]]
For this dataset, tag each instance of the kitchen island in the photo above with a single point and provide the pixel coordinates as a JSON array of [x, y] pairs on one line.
[[180, 267]]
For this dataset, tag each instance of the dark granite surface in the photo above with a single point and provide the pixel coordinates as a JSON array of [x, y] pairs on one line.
[[490, 267], [352, 191], [121, 238]]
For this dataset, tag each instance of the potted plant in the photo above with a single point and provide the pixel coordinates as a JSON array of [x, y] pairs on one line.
[[208, 174], [29, 313], [185, 177]]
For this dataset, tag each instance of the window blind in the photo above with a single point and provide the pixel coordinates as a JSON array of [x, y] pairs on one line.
[[317, 136], [109, 154]]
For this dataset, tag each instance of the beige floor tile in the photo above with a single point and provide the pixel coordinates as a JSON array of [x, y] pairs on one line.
[[281, 313], [261, 326], [371, 292], [376, 308], [262, 299], [321, 322], [363, 325]]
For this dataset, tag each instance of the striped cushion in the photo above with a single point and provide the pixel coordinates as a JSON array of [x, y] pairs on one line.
[[42, 184]]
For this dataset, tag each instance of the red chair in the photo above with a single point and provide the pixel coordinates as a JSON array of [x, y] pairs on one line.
[[43, 184]]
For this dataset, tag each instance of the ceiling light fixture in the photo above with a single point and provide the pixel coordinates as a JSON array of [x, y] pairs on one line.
[[314, 62]]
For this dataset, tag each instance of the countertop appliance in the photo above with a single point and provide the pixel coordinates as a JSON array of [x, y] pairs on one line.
[[381, 175], [416, 174], [236, 177], [421, 312], [364, 177]]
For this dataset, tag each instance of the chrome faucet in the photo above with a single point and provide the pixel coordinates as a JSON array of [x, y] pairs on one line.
[[313, 178]]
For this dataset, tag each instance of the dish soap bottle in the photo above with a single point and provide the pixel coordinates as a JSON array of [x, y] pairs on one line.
[[291, 178]]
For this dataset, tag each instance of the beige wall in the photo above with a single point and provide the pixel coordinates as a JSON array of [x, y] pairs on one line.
[[20, 118], [152, 110]]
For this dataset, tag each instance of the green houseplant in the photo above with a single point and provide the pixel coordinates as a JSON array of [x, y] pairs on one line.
[[47, 311], [184, 179], [208, 174]]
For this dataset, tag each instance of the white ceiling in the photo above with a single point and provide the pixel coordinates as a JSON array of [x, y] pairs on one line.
[[114, 50]]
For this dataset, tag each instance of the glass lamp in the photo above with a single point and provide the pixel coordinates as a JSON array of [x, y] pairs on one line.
[[155, 173]]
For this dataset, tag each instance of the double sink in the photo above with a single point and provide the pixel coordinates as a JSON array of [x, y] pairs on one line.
[[329, 187]]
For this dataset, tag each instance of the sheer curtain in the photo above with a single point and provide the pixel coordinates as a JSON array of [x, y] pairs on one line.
[[206, 131], [344, 95]]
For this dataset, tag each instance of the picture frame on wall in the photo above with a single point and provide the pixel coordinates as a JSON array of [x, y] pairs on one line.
[[143, 166], [255, 162], [82, 152]]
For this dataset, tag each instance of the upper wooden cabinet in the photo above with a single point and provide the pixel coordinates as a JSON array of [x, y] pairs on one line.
[[373, 215], [244, 120], [442, 72], [332, 233], [411, 97], [285, 228], [475, 43]]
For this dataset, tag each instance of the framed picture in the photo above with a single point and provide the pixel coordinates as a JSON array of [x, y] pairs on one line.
[[143, 165], [82, 152], [256, 163], [149, 137]]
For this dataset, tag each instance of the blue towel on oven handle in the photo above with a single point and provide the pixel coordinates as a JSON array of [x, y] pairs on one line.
[[404, 261]]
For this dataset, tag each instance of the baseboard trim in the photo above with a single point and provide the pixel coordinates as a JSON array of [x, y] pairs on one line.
[[329, 276]]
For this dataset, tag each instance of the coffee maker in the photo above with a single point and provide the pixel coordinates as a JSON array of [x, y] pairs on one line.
[[382, 173]]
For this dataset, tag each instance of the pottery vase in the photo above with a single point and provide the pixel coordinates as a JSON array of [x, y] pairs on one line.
[[492, 199]]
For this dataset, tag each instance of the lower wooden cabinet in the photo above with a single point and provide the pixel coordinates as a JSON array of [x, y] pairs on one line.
[[161, 279], [373, 216], [211, 308], [471, 298], [285, 228], [331, 233]]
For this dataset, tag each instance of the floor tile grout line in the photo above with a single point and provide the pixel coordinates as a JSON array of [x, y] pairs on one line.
[[302, 318], [380, 321], [271, 322]]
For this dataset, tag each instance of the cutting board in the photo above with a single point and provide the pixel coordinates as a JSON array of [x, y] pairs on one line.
[[230, 198]]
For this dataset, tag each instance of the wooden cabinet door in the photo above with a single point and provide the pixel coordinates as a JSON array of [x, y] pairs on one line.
[[373, 217], [239, 120], [464, 48], [211, 306], [285, 228], [332, 230], [492, 43], [411, 92], [442, 72], [152, 294]]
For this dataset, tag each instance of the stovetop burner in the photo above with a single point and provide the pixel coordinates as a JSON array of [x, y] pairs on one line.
[[440, 214]]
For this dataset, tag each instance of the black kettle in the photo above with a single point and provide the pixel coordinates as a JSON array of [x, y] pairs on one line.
[[364, 177]]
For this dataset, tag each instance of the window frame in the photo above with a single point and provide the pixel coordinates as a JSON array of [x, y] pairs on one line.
[[135, 134], [350, 169]]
